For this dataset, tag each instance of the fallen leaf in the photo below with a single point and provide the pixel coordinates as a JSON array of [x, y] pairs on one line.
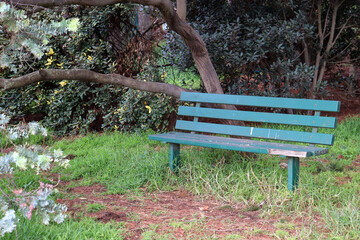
[[17, 191], [205, 208]]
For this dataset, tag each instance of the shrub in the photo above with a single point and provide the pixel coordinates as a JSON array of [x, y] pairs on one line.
[[72, 106], [255, 47]]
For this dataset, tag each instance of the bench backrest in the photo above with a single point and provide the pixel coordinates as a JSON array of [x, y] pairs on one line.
[[315, 121]]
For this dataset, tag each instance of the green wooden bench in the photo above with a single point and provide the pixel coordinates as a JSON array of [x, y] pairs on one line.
[[292, 151]]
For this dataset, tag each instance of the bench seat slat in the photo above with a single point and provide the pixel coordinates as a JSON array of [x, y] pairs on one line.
[[263, 117], [273, 102], [275, 134], [245, 145]]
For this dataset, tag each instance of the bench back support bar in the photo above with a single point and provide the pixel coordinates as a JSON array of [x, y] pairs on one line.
[[310, 137], [255, 101]]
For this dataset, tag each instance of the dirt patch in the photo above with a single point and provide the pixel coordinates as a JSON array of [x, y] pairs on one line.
[[7, 150], [178, 213], [350, 105], [355, 165], [88, 190], [108, 216], [343, 180]]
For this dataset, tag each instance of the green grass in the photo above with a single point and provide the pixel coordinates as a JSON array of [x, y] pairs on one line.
[[71, 229], [125, 162], [183, 79], [186, 79], [94, 207]]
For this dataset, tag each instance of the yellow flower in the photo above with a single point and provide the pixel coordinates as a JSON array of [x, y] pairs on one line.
[[56, 91], [49, 61], [51, 52], [116, 127], [63, 83], [163, 75], [148, 108], [89, 58], [60, 65]]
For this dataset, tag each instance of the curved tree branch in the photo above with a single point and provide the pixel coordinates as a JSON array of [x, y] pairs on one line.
[[188, 34], [90, 76]]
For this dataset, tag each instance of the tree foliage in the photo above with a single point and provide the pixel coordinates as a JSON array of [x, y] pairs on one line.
[[273, 47], [24, 39], [71, 106]]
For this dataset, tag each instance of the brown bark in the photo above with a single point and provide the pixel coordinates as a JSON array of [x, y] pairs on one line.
[[90, 76], [322, 54], [181, 9], [307, 56]]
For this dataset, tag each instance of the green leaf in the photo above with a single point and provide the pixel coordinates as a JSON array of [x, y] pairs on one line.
[[73, 25]]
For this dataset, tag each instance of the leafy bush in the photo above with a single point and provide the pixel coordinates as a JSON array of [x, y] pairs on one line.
[[140, 110], [255, 47], [18, 46], [72, 106]]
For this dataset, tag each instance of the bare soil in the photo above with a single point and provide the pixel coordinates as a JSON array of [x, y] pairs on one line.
[[178, 213], [350, 105]]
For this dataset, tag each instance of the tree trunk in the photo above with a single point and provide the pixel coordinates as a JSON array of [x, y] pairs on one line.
[[181, 9]]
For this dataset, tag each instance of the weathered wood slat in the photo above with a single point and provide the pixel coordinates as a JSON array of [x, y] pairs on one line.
[[273, 102], [245, 145], [241, 141], [263, 117], [275, 134]]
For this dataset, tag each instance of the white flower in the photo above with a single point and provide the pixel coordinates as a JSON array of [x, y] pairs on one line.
[[21, 162], [7, 223], [45, 218], [64, 163], [5, 162], [59, 218], [43, 131], [58, 154], [13, 134], [3, 205], [3, 120], [33, 128], [43, 162]]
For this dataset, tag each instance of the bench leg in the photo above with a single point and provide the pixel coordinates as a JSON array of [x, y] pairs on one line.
[[174, 156], [293, 173]]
